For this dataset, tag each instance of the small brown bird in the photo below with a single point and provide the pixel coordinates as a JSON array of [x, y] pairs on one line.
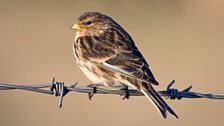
[[107, 55]]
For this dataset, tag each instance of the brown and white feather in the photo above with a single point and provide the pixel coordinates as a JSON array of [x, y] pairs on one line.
[[106, 54]]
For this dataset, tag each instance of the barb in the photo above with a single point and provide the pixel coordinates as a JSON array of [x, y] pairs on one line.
[[59, 89]]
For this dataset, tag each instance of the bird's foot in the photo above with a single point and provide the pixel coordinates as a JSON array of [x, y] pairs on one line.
[[126, 93], [94, 87]]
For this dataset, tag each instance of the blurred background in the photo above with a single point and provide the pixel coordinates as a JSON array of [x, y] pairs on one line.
[[181, 40]]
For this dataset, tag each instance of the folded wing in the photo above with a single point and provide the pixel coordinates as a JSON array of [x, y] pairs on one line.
[[120, 56]]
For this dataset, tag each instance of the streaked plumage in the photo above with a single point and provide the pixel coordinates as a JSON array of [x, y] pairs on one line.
[[107, 55]]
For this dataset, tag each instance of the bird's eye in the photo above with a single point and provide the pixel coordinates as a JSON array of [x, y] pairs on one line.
[[89, 23]]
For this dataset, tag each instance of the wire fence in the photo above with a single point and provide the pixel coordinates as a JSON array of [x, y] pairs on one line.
[[59, 89]]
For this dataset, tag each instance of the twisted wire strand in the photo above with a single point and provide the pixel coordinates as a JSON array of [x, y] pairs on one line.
[[59, 89]]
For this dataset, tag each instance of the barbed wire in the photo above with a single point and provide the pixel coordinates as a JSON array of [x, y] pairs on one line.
[[59, 89]]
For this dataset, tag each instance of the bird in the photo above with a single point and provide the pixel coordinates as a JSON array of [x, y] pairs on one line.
[[108, 56]]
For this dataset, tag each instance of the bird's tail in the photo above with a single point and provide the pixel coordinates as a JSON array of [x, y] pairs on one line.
[[159, 103]]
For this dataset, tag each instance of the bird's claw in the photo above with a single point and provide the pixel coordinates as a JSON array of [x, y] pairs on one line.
[[126, 93], [94, 88], [91, 94]]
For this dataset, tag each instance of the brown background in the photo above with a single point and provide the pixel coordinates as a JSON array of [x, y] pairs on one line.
[[182, 40]]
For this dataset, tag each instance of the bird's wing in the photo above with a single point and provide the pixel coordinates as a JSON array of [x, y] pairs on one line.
[[120, 56]]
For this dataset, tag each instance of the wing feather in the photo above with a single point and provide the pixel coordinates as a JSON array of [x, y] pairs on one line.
[[120, 56]]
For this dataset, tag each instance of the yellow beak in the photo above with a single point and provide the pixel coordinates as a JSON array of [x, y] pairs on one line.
[[76, 27]]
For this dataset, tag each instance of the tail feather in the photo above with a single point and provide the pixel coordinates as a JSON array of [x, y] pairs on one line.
[[159, 103], [160, 108]]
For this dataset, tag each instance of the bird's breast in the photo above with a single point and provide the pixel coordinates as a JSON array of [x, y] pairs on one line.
[[93, 72]]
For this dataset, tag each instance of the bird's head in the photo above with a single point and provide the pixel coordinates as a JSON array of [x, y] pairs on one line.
[[93, 23]]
